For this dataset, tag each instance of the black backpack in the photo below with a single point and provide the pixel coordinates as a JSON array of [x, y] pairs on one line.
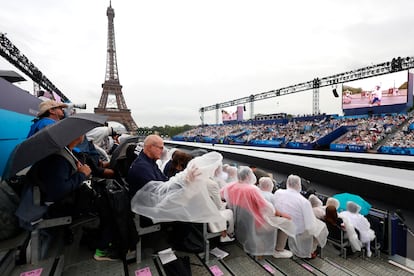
[[126, 235], [9, 224]]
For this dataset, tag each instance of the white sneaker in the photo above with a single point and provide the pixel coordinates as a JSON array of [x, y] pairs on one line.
[[282, 254], [369, 254], [227, 238]]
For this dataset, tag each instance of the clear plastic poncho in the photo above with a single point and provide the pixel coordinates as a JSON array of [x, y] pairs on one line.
[[255, 222], [99, 136], [358, 221], [184, 197], [350, 233], [310, 231], [317, 207]]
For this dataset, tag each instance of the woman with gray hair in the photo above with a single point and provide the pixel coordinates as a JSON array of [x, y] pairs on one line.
[[332, 201], [266, 186], [350, 233], [361, 223], [317, 206]]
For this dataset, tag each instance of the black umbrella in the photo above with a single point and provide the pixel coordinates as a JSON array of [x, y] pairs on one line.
[[120, 151], [11, 76], [124, 155], [50, 140], [17, 100]]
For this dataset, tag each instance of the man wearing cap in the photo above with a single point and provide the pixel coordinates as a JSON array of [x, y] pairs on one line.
[[49, 113]]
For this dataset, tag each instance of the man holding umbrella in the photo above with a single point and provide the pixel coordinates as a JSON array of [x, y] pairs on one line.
[[59, 177], [54, 168]]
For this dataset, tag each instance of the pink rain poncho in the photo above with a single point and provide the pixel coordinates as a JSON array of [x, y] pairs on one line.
[[255, 222]]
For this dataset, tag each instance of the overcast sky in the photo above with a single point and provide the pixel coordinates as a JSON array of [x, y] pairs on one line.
[[175, 56]]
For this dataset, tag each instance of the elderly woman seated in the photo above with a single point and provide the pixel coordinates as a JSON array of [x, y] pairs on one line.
[[332, 205], [231, 173], [317, 207], [266, 186], [332, 201], [309, 231], [360, 223], [227, 232], [260, 228]]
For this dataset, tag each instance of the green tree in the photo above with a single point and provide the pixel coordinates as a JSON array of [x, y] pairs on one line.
[[164, 131]]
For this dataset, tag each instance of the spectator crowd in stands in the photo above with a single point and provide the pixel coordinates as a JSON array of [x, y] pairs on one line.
[[366, 132]]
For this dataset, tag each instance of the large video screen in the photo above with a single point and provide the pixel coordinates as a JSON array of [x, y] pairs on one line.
[[228, 115], [382, 90], [235, 115]]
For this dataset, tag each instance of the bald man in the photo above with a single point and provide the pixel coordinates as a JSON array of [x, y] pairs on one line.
[[144, 168]]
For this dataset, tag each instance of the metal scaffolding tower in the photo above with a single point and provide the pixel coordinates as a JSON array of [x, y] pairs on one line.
[[395, 65]]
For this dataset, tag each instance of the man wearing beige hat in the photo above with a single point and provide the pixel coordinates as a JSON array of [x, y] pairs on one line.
[[49, 112]]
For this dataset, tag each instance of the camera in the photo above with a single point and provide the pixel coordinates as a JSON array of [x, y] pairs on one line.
[[70, 110], [73, 105]]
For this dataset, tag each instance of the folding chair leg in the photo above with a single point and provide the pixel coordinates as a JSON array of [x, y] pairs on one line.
[[138, 252], [207, 251], [35, 247]]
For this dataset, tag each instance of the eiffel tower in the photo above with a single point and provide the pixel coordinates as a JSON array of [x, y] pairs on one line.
[[112, 102]]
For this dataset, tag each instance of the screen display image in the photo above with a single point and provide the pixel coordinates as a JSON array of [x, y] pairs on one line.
[[228, 115], [382, 90]]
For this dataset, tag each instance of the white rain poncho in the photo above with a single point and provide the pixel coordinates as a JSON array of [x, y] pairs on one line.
[[99, 136], [214, 192], [350, 233], [309, 229], [184, 197], [231, 172], [220, 177], [163, 159], [317, 207], [255, 222], [123, 137], [361, 223]]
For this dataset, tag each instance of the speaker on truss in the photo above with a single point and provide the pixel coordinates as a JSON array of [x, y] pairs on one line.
[[335, 93]]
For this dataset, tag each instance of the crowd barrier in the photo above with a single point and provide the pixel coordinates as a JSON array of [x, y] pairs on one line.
[[327, 141], [347, 147], [267, 143], [299, 145]]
